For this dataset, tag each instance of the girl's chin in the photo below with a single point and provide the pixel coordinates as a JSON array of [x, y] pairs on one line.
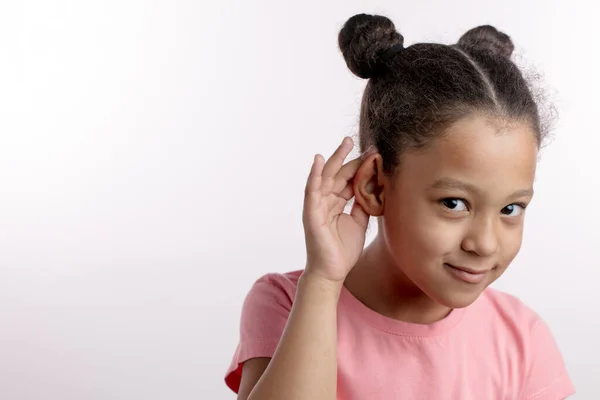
[[457, 299]]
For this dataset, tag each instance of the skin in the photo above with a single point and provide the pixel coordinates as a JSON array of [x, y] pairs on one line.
[[401, 274]]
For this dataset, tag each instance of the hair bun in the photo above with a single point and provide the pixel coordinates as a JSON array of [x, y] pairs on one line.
[[486, 37], [364, 39]]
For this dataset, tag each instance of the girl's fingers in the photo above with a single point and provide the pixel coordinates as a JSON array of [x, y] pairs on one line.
[[360, 215], [313, 183], [346, 174], [335, 162], [336, 209], [333, 175], [344, 197], [347, 193], [348, 171]]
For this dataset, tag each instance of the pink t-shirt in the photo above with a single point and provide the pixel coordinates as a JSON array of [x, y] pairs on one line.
[[496, 348]]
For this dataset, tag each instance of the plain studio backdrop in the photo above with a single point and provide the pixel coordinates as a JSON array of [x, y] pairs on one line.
[[153, 156]]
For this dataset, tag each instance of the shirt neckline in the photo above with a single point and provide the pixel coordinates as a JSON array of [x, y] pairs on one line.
[[397, 327]]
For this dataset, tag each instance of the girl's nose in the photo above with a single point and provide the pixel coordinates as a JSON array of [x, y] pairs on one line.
[[482, 238]]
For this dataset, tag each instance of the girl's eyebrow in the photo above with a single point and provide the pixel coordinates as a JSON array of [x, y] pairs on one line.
[[451, 183]]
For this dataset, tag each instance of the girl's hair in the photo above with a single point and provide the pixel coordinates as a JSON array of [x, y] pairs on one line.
[[414, 94]]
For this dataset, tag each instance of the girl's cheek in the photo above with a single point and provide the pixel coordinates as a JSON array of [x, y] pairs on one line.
[[417, 228], [438, 236], [511, 245]]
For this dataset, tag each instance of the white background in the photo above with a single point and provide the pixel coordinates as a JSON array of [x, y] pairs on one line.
[[153, 156]]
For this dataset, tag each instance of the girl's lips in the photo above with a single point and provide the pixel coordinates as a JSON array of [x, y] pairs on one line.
[[467, 274], [470, 270]]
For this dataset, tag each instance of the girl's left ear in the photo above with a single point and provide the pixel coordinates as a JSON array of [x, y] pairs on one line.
[[368, 185]]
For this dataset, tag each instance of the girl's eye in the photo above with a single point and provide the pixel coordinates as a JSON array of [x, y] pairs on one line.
[[513, 210], [454, 204]]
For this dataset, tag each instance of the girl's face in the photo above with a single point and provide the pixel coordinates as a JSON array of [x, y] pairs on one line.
[[453, 220]]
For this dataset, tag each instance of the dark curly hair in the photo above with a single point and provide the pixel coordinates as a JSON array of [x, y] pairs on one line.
[[414, 94]]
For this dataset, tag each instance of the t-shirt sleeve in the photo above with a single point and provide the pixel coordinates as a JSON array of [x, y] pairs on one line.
[[264, 315], [547, 378]]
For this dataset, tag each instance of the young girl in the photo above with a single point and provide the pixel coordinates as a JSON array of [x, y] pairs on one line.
[[450, 137]]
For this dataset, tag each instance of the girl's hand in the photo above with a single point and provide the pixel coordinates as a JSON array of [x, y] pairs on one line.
[[334, 240]]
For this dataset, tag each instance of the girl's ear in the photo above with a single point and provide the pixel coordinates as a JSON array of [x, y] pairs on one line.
[[368, 185]]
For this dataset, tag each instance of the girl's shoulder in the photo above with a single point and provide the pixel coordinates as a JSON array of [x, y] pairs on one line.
[[503, 308], [521, 333], [272, 292], [277, 284], [287, 279]]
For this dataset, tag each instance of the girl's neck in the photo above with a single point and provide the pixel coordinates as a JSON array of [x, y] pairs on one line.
[[381, 285]]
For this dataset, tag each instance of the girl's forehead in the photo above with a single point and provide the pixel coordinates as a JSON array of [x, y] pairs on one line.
[[479, 150]]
